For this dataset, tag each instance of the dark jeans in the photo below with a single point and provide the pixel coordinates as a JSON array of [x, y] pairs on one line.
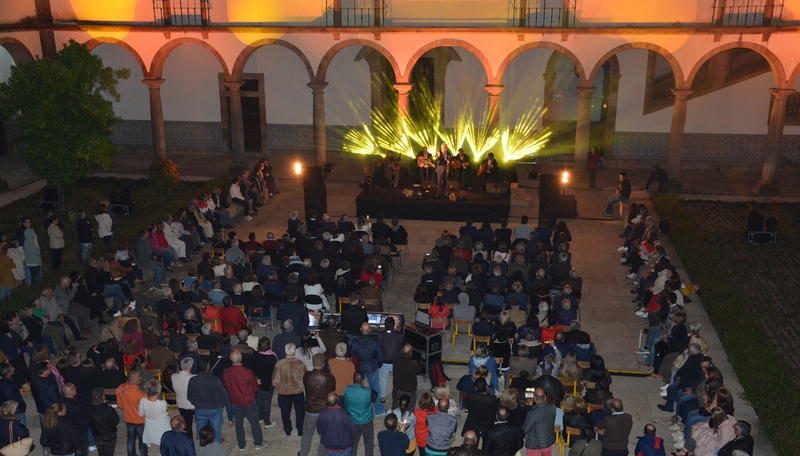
[[309, 429], [650, 181], [368, 432], [285, 402], [68, 321], [82, 445], [106, 448], [592, 178], [251, 413], [55, 258], [188, 416], [135, 432], [614, 452], [264, 399]]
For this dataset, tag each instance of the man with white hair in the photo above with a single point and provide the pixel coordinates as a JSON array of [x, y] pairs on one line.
[[207, 338], [242, 387], [180, 383], [288, 382], [285, 337]]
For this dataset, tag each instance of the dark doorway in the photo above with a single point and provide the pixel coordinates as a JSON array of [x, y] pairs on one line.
[[3, 139], [251, 117]]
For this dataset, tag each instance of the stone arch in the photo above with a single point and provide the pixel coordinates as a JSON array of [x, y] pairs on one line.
[[244, 56], [793, 77], [778, 72], [453, 43], [157, 67], [540, 45], [95, 42], [322, 70], [19, 52], [673, 62]]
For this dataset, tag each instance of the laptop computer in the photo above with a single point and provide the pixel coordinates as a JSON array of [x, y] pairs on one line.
[[423, 320]]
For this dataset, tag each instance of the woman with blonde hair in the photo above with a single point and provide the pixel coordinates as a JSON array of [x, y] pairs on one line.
[[510, 400], [443, 392], [570, 372], [57, 434], [9, 421], [154, 410]]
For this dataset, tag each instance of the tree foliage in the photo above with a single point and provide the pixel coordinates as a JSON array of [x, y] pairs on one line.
[[63, 113]]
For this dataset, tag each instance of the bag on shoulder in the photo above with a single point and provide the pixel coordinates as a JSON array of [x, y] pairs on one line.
[[19, 448]]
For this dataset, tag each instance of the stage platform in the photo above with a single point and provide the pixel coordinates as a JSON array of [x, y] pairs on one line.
[[391, 203]]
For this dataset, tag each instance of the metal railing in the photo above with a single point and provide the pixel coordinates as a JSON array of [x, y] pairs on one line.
[[182, 13], [365, 16], [535, 13], [766, 13]]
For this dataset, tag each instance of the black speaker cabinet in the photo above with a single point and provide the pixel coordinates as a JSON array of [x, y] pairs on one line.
[[315, 194], [408, 193], [497, 188], [762, 237], [459, 195], [428, 184], [452, 185]]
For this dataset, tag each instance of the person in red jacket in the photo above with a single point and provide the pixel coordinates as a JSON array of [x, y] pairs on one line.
[[242, 386], [231, 318]]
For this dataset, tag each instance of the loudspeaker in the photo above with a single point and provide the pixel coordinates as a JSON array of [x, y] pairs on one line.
[[497, 188], [459, 195], [408, 193], [549, 185], [452, 186], [428, 184], [567, 206]]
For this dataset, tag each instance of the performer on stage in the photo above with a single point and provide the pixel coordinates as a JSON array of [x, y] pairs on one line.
[[442, 160], [488, 171], [460, 163], [425, 164], [391, 167]]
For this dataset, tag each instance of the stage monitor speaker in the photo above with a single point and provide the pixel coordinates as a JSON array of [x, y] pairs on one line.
[[407, 193], [459, 195], [549, 185], [452, 186], [497, 188], [428, 184], [567, 206]]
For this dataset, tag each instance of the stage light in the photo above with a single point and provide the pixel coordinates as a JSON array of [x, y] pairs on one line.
[[565, 177], [298, 168]]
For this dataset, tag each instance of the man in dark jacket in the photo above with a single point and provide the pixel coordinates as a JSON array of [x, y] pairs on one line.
[[44, 388], [622, 195], [81, 377], [176, 442], [548, 383], [335, 428], [504, 439], [657, 175], [468, 448], [286, 336], [539, 425], [353, 316], [318, 384], [370, 358], [391, 343], [404, 377], [78, 416], [208, 395], [650, 444], [264, 361], [103, 421], [743, 440], [689, 375], [617, 429], [481, 408]]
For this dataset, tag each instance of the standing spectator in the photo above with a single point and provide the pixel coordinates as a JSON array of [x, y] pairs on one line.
[[657, 175], [285, 337], [103, 421], [7, 283], [341, 368], [176, 442], [336, 429], [617, 429], [441, 428], [482, 407], [78, 415], [404, 377], [242, 387], [650, 444], [288, 380], [208, 396], [264, 361], [154, 411], [209, 444], [353, 316], [505, 439], [81, 376], [129, 395], [180, 383], [370, 357], [592, 165], [44, 388], [57, 433], [391, 441], [105, 226], [33, 253], [85, 234], [391, 343], [11, 427], [318, 384], [358, 401], [56, 237], [468, 448], [9, 391], [540, 426]]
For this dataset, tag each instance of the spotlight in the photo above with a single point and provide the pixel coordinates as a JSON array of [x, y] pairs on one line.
[[298, 168], [565, 177]]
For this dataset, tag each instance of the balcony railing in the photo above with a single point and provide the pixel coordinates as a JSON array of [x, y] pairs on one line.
[[536, 13], [370, 15], [182, 13], [747, 13]]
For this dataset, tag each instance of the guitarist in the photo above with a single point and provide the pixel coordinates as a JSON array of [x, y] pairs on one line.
[[442, 161], [425, 163], [488, 171], [460, 164], [391, 167]]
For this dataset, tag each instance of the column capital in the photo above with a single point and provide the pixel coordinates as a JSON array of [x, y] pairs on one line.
[[233, 85], [494, 89], [585, 92], [317, 86], [153, 83], [781, 94], [403, 87], [682, 94]]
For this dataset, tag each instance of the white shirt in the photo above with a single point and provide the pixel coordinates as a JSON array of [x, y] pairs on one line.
[[180, 383]]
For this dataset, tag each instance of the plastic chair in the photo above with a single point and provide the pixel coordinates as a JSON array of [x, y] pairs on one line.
[[583, 364], [572, 431], [156, 374], [170, 397], [456, 333], [371, 305], [202, 352], [257, 314], [342, 302], [573, 384], [560, 440], [441, 322], [480, 339]]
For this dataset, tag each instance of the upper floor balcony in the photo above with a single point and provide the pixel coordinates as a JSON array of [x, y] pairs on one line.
[[526, 14]]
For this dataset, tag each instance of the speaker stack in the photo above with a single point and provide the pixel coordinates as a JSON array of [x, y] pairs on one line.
[[459, 195]]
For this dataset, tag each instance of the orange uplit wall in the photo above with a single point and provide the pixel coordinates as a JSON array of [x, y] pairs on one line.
[[13, 11], [305, 12], [475, 13], [637, 11]]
